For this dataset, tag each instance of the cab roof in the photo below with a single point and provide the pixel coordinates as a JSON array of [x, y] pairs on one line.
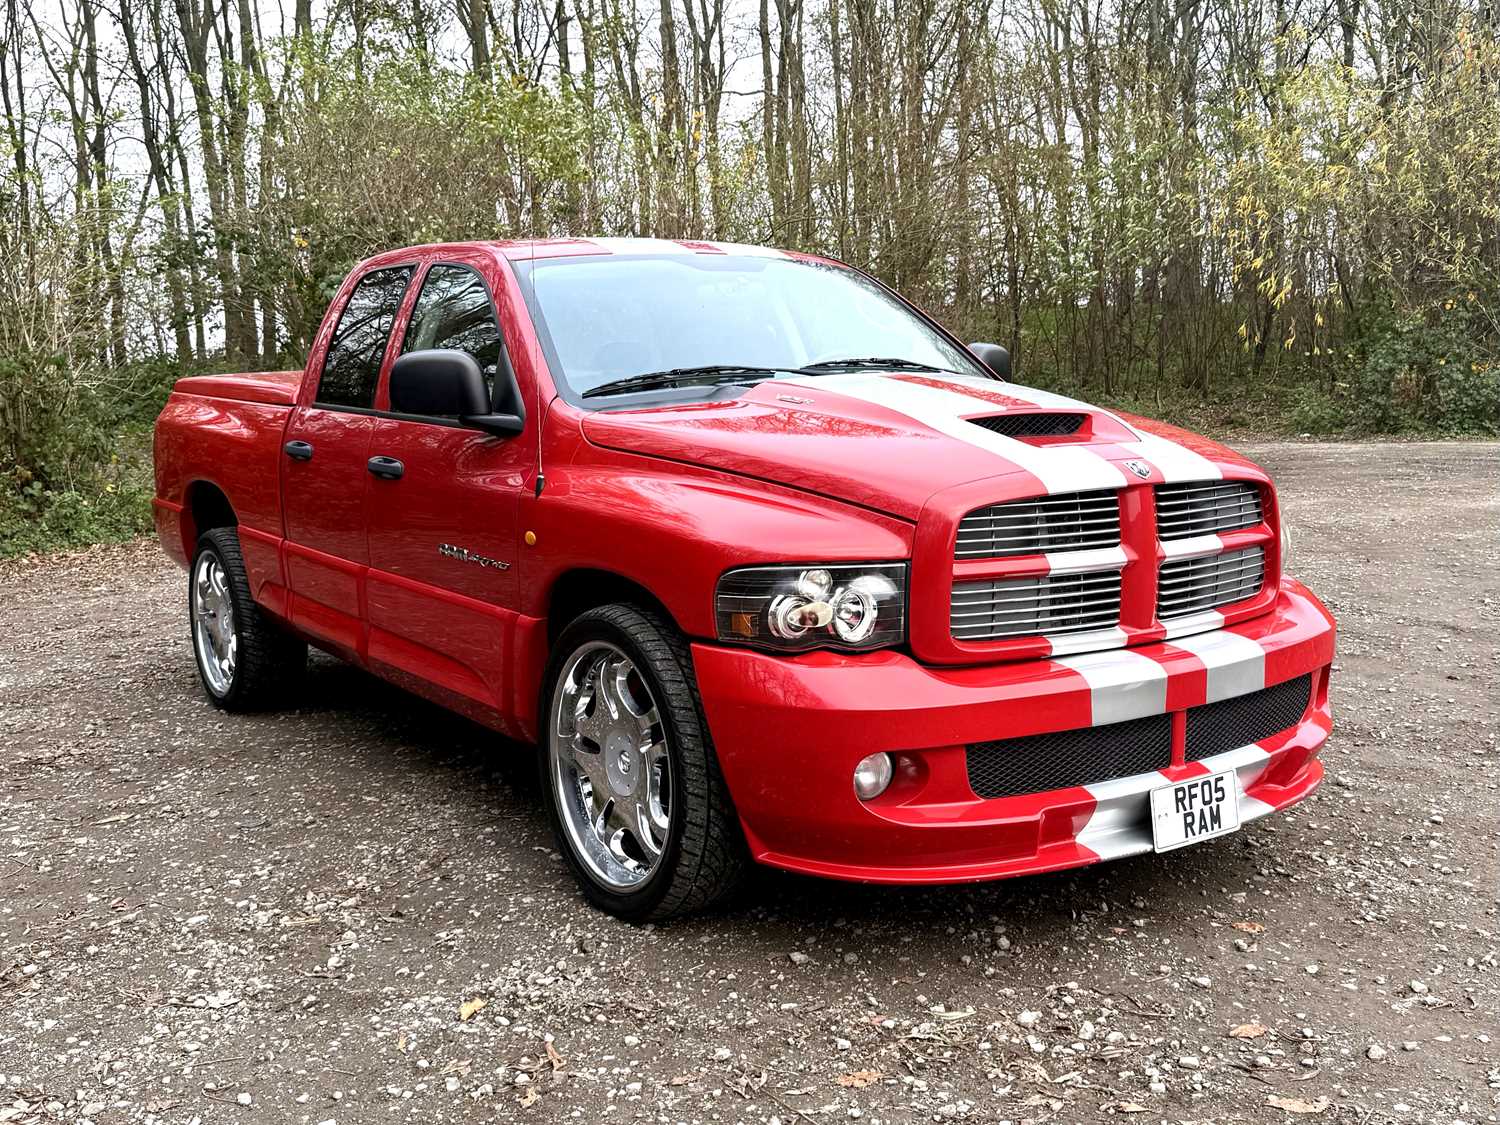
[[521, 250]]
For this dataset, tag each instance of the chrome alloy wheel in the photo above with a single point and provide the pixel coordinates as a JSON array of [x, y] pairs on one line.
[[611, 773], [215, 639]]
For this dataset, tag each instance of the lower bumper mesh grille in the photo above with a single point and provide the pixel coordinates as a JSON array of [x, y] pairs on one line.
[[1035, 764], [1216, 728], [1039, 763]]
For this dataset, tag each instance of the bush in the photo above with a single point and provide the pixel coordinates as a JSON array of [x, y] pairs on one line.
[[75, 452]]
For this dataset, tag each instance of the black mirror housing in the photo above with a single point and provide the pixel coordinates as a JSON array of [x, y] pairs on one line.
[[440, 382], [993, 356], [501, 425]]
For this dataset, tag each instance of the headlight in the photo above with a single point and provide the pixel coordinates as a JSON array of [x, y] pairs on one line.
[[852, 606], [1286, 545]]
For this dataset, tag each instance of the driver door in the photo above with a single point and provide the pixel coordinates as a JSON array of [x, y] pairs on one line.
[[442, 590]]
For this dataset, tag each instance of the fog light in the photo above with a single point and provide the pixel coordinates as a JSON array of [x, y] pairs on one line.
[[871, 776]]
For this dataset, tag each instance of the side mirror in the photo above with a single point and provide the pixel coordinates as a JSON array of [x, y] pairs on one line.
[[993, 356], [447, 383]]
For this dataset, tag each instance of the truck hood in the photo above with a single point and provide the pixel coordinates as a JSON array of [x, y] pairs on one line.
[[888, 441]]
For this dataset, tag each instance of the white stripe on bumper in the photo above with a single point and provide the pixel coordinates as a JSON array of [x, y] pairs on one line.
[[1236, 664], [1121, 821], [1122, 685]]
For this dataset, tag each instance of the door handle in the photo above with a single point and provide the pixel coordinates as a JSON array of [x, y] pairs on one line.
[[298, 450], [386, 468]]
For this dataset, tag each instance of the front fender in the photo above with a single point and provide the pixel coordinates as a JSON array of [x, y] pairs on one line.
[[674, 529]]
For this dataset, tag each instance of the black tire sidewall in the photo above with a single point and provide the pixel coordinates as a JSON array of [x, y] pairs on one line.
[[639, 902]]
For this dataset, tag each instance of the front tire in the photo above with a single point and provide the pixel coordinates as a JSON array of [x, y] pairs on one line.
[[247, 662], [634, 792]]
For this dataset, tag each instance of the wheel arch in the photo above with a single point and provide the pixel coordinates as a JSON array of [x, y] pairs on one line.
[[205, 507], [581, 589]]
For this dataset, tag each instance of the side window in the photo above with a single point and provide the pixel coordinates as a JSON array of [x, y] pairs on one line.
[[352, 366], [454, 310]]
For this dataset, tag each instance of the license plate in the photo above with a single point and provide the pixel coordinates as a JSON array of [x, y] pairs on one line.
[[1194, 810]]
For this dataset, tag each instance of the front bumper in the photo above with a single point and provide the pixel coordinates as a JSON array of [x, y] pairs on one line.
[[789, 732]]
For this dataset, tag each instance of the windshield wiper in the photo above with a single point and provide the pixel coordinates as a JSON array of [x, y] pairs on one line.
[[874, 361], [707, 375]]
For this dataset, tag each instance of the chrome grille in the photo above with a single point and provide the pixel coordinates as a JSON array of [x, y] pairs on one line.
[[1069, 522], [1204, 507], [1024, 607], [1189, 585]]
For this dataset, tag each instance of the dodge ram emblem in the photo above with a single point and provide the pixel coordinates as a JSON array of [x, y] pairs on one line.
[[1139, 468]]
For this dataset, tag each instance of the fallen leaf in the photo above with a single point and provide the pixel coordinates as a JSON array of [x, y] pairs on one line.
[[553, 1057], [118, 818], [681, 1080], [859, 1079], [1297, 1105], [952, 1013], [1125, 1107], [530, 1097], [1247, 1031], [470, 1008], [1249, 927]]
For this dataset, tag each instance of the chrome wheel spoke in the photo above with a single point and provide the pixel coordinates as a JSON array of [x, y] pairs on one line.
[[591, 769], [610, 766], [650, 835], [215, 638], [657, 799]]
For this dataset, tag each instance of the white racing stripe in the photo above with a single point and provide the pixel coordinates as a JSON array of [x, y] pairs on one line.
[[1060, 468], [1085, 641], [1077, 562], [1015, 390], [1236, 664], [1199, 622], [1175, 462], [1196, 547], [1122, 685], [1120, 824]]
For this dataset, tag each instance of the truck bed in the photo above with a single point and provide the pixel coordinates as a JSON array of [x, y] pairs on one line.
[[278, 387]]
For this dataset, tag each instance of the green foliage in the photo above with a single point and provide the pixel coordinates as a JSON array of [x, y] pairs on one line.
[[76, 462], [1432, 370]]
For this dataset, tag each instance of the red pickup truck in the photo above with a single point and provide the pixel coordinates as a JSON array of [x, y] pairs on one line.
[[770, 566]]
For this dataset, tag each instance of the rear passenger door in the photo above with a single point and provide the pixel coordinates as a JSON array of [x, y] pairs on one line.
[[442, 587], [324, 465]]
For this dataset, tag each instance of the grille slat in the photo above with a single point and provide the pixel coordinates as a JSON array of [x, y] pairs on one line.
[[1189, 585], [1203, 507], [1072, 522], [1035, 764], [1217, 728], [1021, 607]]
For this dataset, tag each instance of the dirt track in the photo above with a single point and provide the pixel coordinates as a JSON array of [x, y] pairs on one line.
[[277, 918]]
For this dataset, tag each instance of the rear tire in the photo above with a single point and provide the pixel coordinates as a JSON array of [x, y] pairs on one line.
[[634, 792], [246, 661]]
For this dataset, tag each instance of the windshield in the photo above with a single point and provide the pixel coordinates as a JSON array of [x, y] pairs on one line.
[[605, 319]]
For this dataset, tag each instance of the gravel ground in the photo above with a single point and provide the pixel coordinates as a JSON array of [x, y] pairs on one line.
[[353, 911]]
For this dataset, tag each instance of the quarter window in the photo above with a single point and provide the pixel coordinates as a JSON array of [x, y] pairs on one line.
[[352, 366], [454, 310]]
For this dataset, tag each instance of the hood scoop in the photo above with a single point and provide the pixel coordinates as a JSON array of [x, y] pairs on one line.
[[1028, 425]]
